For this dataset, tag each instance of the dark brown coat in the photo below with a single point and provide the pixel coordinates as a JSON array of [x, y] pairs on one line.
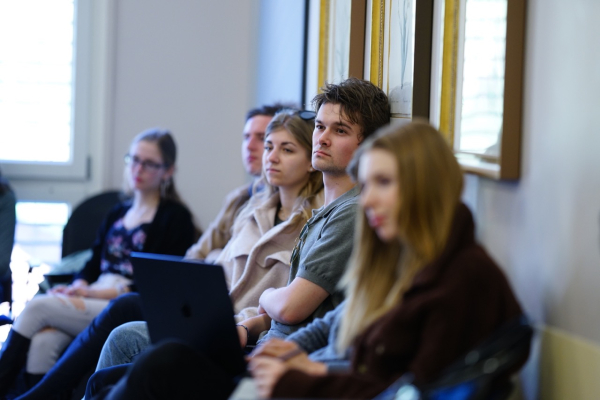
[[455, 303]]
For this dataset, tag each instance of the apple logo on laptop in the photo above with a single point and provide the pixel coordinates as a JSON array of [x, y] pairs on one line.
[[186, 310]]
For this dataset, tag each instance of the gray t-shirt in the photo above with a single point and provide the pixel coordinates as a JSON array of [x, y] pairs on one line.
[[323, 256]]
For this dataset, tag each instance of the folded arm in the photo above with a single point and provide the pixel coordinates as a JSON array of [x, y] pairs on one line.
[[294, 303]]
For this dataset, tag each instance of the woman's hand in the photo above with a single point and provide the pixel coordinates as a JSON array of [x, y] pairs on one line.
[[290, 353], [274, 358], [81, 291], [266, 372], [79, 287], [58, 289], [275, 348]]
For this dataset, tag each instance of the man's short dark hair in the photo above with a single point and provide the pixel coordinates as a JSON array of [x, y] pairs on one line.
[[361, 102], [269, 110]]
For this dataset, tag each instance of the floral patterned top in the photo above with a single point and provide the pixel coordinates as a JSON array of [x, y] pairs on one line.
[[120, 242]]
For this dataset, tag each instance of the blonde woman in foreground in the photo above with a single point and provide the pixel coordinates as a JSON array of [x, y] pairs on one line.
[[420, 291]]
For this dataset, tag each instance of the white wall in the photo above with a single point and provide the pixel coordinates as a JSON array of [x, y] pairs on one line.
[[544, 229], [189, 66]]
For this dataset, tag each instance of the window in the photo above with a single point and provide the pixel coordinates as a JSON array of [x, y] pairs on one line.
[[39, 229], [43, 59]]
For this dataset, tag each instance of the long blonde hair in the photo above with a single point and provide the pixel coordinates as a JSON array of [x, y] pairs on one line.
[[301, 129], [430, 183]]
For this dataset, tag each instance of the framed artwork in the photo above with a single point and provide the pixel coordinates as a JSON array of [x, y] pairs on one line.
[[400, 54], [341, 40], [385, 41], [477, 83]]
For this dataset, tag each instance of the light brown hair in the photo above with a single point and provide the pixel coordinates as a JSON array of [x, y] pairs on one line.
[[430, 183], [301, 129]]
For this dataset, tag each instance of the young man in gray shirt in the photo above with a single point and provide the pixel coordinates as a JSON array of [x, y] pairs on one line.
[[347, 113]]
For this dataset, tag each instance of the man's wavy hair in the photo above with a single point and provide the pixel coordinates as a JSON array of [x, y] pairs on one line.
[[361, 103]]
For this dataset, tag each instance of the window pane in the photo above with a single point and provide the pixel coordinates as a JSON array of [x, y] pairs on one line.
[[36, 71], [483, 76], [39, 229]]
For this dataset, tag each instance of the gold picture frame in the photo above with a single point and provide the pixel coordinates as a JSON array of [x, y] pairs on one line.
[[339, 59], [415, 41], [503, 161]]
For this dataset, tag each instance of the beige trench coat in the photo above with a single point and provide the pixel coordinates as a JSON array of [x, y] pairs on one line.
[[218, 233], [258, 255]]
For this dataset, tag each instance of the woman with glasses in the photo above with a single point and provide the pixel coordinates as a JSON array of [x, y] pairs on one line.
[[153, 219], [420, 292]]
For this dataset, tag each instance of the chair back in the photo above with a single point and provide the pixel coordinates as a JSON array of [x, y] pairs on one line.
[[80, 231], [484, 372]]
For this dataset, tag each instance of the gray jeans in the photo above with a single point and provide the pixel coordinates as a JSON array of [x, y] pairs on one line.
[[123, 344], [51, 322]]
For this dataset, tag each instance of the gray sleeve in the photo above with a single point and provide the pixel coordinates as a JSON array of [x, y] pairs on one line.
[[315, 335], [338, 366], [328, 256]]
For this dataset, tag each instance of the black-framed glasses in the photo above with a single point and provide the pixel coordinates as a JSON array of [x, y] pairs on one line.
[[148, 165], [300, 242]]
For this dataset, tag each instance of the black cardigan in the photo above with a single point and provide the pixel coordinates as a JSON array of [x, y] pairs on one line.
[[170, 232]]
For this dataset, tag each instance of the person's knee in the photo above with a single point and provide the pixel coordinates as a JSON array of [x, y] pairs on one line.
[[46, 347], [134, 332], [38, 314], [124, 343], [36, 307]]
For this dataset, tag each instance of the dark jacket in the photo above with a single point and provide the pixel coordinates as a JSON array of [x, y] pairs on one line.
[[455, 303], [170, 232]]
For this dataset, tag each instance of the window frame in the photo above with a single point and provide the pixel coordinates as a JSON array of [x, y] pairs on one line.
[[85, 19]]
